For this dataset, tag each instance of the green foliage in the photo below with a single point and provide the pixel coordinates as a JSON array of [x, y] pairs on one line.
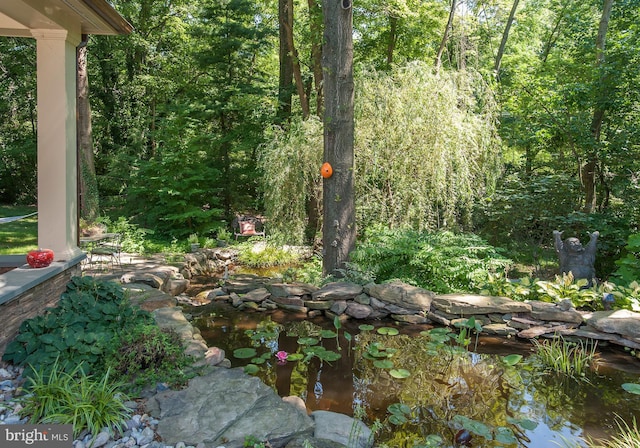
[[75, 398], [426, 147], [527, 209], [573, 359], [290, 163], [80, 330], [146, 355], [134, 238], [628, 437], [566, 288], [265, 255], [441, 262], [629, 265], [21, 236]]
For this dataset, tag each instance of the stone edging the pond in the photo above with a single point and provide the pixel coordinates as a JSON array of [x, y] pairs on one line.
[[408, 304]]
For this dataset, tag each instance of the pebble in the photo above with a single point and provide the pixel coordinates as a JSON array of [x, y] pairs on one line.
[[140, 429]]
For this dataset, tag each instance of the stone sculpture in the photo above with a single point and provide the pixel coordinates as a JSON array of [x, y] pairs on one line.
[[576, 258]]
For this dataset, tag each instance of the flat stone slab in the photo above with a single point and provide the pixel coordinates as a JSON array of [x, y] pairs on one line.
[[223, 408], [623, 322], [402, 295], [337, 291], [553, 312], [468, 304]]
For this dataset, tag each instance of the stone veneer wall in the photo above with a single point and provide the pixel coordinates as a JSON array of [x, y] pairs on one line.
[[32, 303]]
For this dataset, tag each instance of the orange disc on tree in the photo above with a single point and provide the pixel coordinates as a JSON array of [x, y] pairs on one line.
[[326, 170]]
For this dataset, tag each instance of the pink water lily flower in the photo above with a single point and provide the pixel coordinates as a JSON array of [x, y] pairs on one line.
[[282, 356]]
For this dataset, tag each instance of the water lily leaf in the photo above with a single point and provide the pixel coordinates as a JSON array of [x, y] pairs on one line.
[[399, 408], [366, 327], [244, 353], [251, 369], [328, 334], [390, 331], [511, 360], [395, 419], [505, 435], [266, 355], [308, 341], [524, 423], [400, 373], [632, 388], [474, 426], [258, 360], [383, 364], [295, 357], [329, 356]]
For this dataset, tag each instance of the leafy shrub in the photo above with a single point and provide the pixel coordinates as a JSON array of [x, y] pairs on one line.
[[442, 262], [566, 287], [527, 209], [77, 399], [80, 330], [629, 265], [265, 255], [147, 355]]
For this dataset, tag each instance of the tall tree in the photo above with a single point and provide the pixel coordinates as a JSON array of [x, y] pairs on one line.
[[445, 35], [590, 168], [285, 82], [505, 36], [339, 220], [89, 201]]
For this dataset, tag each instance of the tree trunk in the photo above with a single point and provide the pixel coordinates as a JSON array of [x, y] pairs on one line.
[[315, 20], [590, 169], [285, 82], [445, 36], [339, 224], [505, 36], [393, 39], [88, 184], [297, 73]]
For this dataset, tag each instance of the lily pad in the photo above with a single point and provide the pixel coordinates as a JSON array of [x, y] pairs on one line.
[[244, 353], [251, 369], [524, 423], [308, 341], [632, 388], [383, 364], [258, 360], [512, 360], [295, 357], [366, 327], [400, 373], [328, 334], [505, 436], [390, 331]]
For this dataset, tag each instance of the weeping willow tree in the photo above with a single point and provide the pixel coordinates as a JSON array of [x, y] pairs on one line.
[[291, 184], [426, 147], [426, 150]]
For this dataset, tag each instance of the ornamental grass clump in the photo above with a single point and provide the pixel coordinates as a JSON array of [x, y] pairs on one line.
[[84, 401], [573, 359]]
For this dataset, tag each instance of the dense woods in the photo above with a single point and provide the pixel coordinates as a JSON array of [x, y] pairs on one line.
[[506, 118]]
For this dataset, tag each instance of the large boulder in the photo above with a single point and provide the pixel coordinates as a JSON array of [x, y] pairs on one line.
[[342, 429], [223, 408], [401, 294]]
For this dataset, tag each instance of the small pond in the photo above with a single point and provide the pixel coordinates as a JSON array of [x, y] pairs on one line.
[[444, 386]]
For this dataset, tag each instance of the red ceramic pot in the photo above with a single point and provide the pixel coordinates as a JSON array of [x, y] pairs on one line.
[[40, 258]]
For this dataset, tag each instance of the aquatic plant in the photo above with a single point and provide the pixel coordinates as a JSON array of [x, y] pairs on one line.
[[573, 359]]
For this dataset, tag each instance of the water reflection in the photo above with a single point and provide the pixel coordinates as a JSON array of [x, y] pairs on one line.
[[442, 386]]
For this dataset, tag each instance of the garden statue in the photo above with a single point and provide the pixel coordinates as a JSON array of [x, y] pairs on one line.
[[575, 258]]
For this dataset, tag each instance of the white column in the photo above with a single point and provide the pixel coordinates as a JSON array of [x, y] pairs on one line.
[[57, 166]]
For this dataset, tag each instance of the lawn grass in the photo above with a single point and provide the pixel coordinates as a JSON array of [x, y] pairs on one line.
[[21, 236]]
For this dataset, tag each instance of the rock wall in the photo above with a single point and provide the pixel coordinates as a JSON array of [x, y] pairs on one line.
[[408, 304]]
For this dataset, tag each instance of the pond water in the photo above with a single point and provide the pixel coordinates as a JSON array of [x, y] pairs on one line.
[[445, 389]]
